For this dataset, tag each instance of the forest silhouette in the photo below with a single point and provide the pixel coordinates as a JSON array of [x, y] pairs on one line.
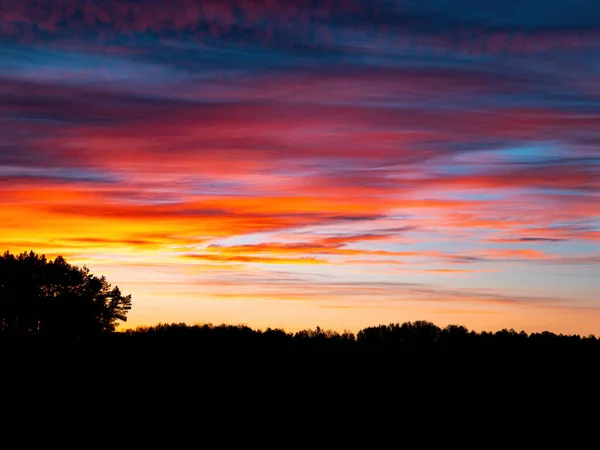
[[59, 327], [41, 298]]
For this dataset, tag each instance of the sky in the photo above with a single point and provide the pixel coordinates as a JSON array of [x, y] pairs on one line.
[[293, 164]]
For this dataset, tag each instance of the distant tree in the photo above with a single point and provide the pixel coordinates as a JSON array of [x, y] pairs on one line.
[[453, 336], [40, 296]]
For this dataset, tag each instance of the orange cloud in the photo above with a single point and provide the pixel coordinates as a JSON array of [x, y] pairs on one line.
[[254, 259]]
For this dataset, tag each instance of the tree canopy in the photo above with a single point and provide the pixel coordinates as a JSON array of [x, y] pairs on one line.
[[41, 296]]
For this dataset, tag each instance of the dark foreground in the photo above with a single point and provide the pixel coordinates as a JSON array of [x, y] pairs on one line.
[[314, 378]]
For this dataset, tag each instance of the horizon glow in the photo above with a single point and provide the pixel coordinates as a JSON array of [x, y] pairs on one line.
[[293, 164]]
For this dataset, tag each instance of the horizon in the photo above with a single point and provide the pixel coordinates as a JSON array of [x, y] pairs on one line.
[[354, 332], [295, 164]]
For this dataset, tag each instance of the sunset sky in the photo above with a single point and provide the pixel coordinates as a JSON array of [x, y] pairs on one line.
[[294, 163]]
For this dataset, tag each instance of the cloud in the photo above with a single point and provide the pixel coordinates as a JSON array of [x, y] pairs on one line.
[[252, 259], [528, 240], [468, 27], [368, 139]]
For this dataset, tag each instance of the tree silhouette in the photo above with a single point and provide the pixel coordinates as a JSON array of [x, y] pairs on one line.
[[40, 296]]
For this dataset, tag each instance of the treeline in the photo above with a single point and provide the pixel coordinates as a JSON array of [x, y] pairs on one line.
[[399, 357], [408, 337], [415, 336], [419, 339]]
